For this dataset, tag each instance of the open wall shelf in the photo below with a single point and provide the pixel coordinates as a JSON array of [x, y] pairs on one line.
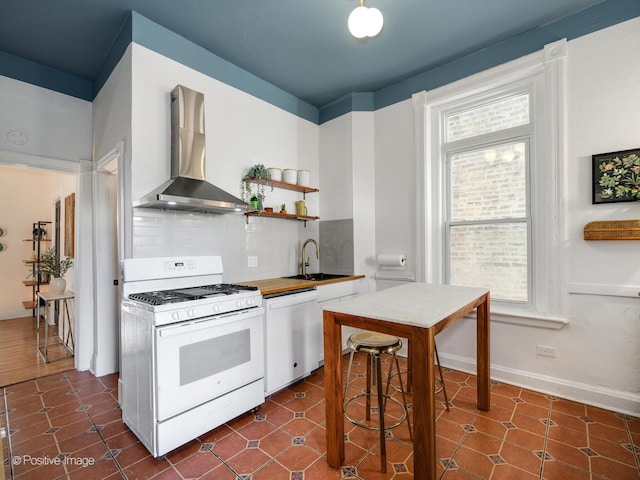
[[285, 216]]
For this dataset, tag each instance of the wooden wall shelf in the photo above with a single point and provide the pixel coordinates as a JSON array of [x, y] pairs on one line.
[[285, 216], [287, 186], [612, 230], [33, 283]]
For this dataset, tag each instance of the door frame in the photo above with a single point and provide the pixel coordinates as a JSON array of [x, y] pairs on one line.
[[108, 206], [83, 264]]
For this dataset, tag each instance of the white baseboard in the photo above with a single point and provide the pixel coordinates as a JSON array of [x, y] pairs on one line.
[[11, 314], [622, 402]]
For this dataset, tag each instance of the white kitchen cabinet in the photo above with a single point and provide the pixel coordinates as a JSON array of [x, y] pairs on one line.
[[336, 292], [293, 338]]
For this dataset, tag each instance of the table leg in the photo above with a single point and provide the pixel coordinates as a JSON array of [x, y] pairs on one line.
[[38, 323], [334, 393], [424, 404], [69, 335], [409, 368], [483, 359], [46, 337]]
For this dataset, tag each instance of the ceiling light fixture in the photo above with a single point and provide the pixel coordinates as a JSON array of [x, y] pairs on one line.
[[365, 22]]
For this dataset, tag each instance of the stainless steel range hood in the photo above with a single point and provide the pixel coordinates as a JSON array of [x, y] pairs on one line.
[[187, 188]]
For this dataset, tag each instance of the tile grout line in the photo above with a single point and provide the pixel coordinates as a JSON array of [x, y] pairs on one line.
[[634, 449], [273, 459], [97, 430], [546, 437], [464, 435]]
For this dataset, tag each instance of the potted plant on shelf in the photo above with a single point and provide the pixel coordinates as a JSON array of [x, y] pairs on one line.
[[257, 175], [283, 209], [55, 267]]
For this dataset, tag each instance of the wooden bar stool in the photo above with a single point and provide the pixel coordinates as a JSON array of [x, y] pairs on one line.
[[375, 344]]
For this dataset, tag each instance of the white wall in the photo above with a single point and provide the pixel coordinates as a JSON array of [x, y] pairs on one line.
[[347, 182], [395, 201], [57, 128], [364, 195], [241, 130], [336, 168], [112, 128], [56, 125], [598, 353]]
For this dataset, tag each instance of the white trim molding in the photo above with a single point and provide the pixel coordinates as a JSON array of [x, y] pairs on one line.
[[619, 401], [604, 290], [19, 159], [544, 73]]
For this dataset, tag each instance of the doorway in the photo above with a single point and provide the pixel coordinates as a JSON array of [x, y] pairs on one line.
[[34, 195]]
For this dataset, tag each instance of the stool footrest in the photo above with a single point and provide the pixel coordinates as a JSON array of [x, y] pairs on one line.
[[439, 383], [375, 427]]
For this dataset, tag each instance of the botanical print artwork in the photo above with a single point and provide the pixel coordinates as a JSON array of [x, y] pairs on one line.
[[616, 177]]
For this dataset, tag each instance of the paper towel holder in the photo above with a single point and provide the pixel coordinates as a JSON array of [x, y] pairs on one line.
[[391, 261]]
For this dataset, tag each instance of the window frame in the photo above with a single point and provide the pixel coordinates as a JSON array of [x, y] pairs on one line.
[[521, 133], [543, 74]]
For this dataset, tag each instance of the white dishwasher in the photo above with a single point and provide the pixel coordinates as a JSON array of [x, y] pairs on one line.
[[293, 337]]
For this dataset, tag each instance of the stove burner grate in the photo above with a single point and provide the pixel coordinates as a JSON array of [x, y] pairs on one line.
[[229, 288], [163, 297]]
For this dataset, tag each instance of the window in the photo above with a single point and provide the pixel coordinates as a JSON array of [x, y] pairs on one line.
[[486, 186], [488, 150]]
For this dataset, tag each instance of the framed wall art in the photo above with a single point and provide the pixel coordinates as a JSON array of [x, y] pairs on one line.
[[616, 177], [69, 221]]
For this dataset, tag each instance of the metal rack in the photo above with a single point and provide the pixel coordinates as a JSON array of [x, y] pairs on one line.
[[36, 279]]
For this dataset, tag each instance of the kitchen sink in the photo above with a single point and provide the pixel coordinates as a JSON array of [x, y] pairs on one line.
[[318, 276]]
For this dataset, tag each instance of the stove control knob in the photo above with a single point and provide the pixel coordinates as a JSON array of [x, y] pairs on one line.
[[175, 316], [251, 302], [191, 313], [239, 304], [216, 308]]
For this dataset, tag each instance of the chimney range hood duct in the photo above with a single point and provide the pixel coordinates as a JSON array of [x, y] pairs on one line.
[[187, 189]]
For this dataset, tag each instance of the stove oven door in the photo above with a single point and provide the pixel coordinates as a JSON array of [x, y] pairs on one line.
[[200, 360]]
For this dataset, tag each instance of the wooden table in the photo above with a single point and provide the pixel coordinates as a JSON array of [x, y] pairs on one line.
[[417, 312], [47, 297]]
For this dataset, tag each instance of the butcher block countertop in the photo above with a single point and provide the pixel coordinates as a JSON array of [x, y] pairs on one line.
[[279, 285]]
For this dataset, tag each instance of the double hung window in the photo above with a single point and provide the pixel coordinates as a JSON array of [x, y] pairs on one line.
[[487, 216], [489, 151]]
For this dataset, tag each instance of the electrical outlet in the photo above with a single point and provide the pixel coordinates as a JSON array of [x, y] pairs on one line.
[[545, 351], [253, 262]]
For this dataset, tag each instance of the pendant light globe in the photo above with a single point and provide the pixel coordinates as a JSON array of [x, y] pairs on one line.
[[357, 22], [365, 22], [375, 22]]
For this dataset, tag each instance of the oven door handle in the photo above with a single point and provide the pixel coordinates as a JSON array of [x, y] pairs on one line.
[[205, 323]]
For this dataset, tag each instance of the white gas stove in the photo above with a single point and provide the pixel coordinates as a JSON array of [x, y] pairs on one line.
[[185, 288], [192, 349]]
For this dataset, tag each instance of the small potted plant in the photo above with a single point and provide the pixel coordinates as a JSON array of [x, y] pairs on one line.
[[257, 175], [283, 209], [55, 267]]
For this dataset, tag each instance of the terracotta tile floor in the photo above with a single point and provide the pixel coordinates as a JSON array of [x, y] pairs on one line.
[[59, 422]]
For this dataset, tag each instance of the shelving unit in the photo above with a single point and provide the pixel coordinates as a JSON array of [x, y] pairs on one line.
[[35, 281], [285, 216]]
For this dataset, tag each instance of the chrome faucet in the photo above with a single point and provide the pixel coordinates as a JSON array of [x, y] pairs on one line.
[[302, 262]]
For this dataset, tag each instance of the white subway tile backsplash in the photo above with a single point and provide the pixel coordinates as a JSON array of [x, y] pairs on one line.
[[276, 242]]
